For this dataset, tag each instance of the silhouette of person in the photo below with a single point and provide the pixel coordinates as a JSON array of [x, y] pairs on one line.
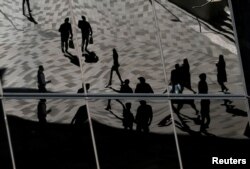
[[86, 32], [143, 117], [221, 73], [28, 6], [205, 103], [81, 90], [65, 30], [128, 117], [2, 71], [81, 117], [176, 79], [115, 68], [143, 87], [125, 88], [185, 76], [42, 111], [41, 80]]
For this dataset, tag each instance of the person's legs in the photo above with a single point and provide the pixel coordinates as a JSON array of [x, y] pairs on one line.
[[208, 120], [108, 105], [87, 43], [110, 78], [66, 45], [83, 42], [145, 128], [118, 74], [202, 128], [28, 5], [194, 106], [62, 45], [138, 127], [24, 7], [223, 87]]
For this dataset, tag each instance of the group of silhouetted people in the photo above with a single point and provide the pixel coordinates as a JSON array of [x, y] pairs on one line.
[[66, 34], [181, 78], [142, 119]]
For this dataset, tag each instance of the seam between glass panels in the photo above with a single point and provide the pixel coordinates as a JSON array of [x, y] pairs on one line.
[[7, 129], [82, 77], [239, 55], [166, 81]]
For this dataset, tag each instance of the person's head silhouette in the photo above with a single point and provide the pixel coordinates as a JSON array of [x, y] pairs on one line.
[[177, 66], [43, 100], [126, 82], [221, 58], [202, 76], [87, 86], [128, 105], [66, 20], [185, 61], [41, 68], [114, 51], [143, 102], [142, 79], [84, 18]]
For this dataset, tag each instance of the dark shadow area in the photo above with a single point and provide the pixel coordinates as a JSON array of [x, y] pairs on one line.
[[22, 90], [63, 147], [90, 57], [231, 109], [73, 59], [57, 146], [5, 158]]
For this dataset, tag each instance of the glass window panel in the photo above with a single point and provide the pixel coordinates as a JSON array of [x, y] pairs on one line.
[[51, 134], [5, 156], [222, 134], [128, 137]]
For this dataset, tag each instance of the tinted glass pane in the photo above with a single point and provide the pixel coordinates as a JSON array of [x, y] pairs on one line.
[[50, 134], [134, 134]]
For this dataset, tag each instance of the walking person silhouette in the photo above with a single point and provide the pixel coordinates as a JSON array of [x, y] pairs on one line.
[[175, 80], [185, 76], [205, 103], [86, 33], [221, 73], [65, 30], [143, 117], [143, 87], [115, 68]]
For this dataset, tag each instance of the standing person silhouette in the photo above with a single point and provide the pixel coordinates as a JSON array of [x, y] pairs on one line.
[[143, 117], [185, 76], [86, 33], [205, 103], [41, 80], [143, 87], [221, 73], [42, 111], [65, 30], [176, 79], [128, 117], [115, 68]]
